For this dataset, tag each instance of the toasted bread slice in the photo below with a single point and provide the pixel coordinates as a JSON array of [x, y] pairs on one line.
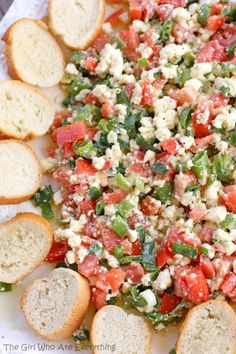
[[33, 54], [115, 331], [24, 111], [25, 242], [209, 328], [20, 172], [55, 306], [76, 22]]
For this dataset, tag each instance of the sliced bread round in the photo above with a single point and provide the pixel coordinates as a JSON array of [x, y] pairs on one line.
[[115, 331], [24, 111], [33, 54], [55, 306], [20, 172], [209, 328], [76, 22], [25, 242]]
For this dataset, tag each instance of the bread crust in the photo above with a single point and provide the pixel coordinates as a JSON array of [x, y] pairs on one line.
[[6, 135], [18, 199], [195, 309], [44, 224], [75, 317], [94, 34], [8, 39], [92, 331]]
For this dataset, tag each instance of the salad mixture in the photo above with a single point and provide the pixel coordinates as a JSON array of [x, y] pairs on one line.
[[146, 158]]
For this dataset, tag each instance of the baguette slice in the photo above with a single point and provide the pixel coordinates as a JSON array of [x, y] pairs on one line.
[[33, 54], [209, 328], [55, 306], [115, 331], [24, 111], [25, 242], [76, 22], [20, 172]]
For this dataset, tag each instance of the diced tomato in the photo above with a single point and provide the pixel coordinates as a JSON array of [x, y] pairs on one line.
[[101, 280], [229, 285], [136, 248], [70, 133], [51, 151], [100, 41], [170, 145], [134, 272], [169, 175], [175, 3], [89, 266], [135, 10], [211, 51], [177, 233], [107, 110], [190, 284], [185, 95], [148, 93], [226, 36], [90, 229], [114, 18], [148, 37], [184, 180], [159, 83], [61, 175], [154, 60], [201, 142], [142, 9], [131, 40], [114, 197], [149, 206], [82, 188], [229, 198], [206, 235], [99, 297], [179, 33], [169, 303], [197, 214], [84, 167], [90, 63], [127, 246], [129, 88], [91, 132], [87, 207], [138, 168], [58, 118], [216, 8], [219, 100], [57, 252], [215, 22], [161, 257], [91, 99], [206, 266], [115, 278], [164, 12], [109, 238], [87, 241], [203, 129], [134, 219]]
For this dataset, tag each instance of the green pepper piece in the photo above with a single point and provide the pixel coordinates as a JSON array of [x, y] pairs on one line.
[[229, 222], [122, 182], [85, 150], [223, 165], [185, 250], [129, 259], [143, 62], [159, 167], [164, 193], [202, 14], [122, 97], [94, 193], [201, 165], [118, 252], [186, 117], [166, 30], [78, 85], [129, 125], [144, 144], [124, 208], [120, 226], [100, 207], [141, 233]]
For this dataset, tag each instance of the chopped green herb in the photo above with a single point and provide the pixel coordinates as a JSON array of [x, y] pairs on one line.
[[95, 249], [225, 90], [143, 62], [76, 57], [94, 193], [231, 50], [164, 193], [232, 138], [148, 250], [166, 30], [5, 287], [130, 125], [119, 44], [229, 222], [201, 165], [223, 166], [193, 188], [42, 199], [185, 250], [137, 300], [100, 207], [144, 144], [141, 233], [173, 316], [159, 167]]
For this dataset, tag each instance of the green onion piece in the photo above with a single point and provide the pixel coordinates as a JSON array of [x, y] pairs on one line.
[[84, 151], [144, 144], [95, 249], [232, 138], [230, 13], [228, 68], [164, 193], [148, 257], [183, 76], [122, 182], [159, 167], [129, 259], [70, 99], [225, 90], [122, 97], [124, 208], [185, 250], [129, 125], [76, 57], [5, 287], [202, 14], [186, 117], [120, 226], [90, 113], [229, 222], [137, 300], [100, 207], [94, 193], [47, 211], [201, 165], [166, 30], [44, 194], [78, 85], [118, 252], [143, 62], [103, 124], [223, 165], [193, 188], [141, 233], [204, 250], [154, 274]]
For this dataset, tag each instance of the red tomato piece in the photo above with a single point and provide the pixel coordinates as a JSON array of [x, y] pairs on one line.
[[161, 257], [57, 252], [229, 198], [68, 150], [169, 303], [179, 33], [115, 278], [91, 132], [100, 41], [91, 99], [148, 93], [84, 167], [219, 100], [149, 206], [206, 235], [107, 110], [87, 207], [185, 95], [226, 36], [90, 63], [190, 283], [170, 145], [135, 10], [197, 214], [134, 272], [211, 51], [114, 197], [109, 238], [58, 118], [70, 133], [131, 40], [101, 280], [51, 151], [175, 3], [203, 129], [159, 83], [184, 180], [229, 285], [114, 18], [127, 246], [89, 266], [136, 248], [164, 12], [129, 88], [99, 297], [138, 168], [61, 175], [206, 266], [177, 233], [201, 142], [90, 229], [216, 8], [215, 22]]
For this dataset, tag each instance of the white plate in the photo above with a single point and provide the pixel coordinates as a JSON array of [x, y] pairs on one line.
[[16, 337]]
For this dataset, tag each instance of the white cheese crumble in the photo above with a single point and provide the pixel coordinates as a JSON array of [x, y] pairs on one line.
[[163, 280], [150, 297], [216, 214]]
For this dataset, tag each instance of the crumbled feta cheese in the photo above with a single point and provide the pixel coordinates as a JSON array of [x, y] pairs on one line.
[[210, 250], [170, 212], [198, 71], [48, 165], [212, 192], [162, 134], [82, 95], [77, 225], [163, 280], [121, 110], [70, 257], [194, 84], [139, 26], [181, 15], [111, 260], [112, 137], [149, 156], [171, 51], [114, 154], [137, 94], [82, 253], [224, 238], [164, 104], [58, 197], [102, 92], [145, 51], [187, 141], [146, 129], [165, 119], [228, 83], [132, 235], [216, 214], [169, 72], [111, 61], [109, 210], [226, 120], [74, 241], [99, 162], [71, 69], [146, 279], [150, 297]]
